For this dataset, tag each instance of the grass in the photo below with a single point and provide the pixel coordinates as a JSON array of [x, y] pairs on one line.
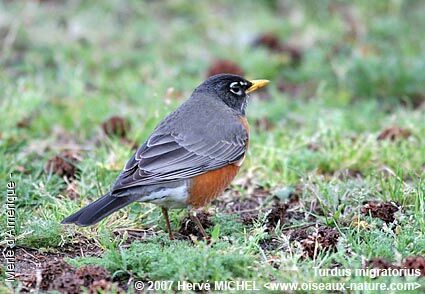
[[67, 67], [201, 263]]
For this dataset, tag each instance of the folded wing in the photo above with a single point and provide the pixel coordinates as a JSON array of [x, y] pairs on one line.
[[168, 157]]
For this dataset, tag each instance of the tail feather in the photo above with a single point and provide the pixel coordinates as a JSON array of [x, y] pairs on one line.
[[98, 210]]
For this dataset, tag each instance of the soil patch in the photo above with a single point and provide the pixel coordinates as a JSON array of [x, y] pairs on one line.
[[247, 208], [415, 263], [63, 164], [412, 263], [224, 66], [274, 44], [277, 215], [270, 244], [394, 133], [380, 263], [382, 210], [116, 126], [316, 239], [49, 271], [189, 228]]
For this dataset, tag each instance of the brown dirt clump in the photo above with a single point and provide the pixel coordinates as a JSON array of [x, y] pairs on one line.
[[103, 286], [379, 263], [416, 100], [382, 210], [268, 40], [90, 273], [313, 146], [394, 133], [63, 164], [274, 44], [50, 271], [277, 215], [66, 279], [224, 66], [415, 263], [316, 240], [67, 283], [38, 270], [188, 227], [24, 123], [279, 209], [270, 244], [249, 218], [411, 263], [116, 126]]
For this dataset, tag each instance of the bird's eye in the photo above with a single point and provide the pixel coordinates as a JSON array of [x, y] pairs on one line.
[[236, 88]]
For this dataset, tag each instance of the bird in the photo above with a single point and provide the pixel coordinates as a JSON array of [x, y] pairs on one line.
[[190, 158]]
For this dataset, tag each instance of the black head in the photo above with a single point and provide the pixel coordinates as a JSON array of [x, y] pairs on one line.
[[233, 90]]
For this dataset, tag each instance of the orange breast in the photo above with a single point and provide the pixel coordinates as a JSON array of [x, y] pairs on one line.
[[204, 188]]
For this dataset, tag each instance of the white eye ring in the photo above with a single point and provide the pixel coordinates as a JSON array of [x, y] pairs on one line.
[[236, 88]]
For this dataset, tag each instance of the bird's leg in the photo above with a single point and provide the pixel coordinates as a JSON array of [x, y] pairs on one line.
[[167, 220], [195, 219]]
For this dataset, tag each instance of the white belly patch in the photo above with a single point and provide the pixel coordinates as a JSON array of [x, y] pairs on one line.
[[168, 197]]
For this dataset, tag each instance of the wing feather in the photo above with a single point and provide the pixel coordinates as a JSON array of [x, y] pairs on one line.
[[171, 157]]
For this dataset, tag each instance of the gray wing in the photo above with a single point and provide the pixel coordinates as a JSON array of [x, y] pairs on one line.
[[168, 157]]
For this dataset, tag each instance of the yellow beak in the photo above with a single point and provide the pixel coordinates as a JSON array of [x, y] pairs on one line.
[[257, 84]]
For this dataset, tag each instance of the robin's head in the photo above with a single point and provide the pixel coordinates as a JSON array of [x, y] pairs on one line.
[[233, 90]]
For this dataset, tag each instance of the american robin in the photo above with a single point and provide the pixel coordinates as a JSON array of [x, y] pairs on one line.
[[189, 159]]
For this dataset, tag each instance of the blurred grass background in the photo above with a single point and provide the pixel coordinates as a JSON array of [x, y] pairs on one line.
[[352, 71]]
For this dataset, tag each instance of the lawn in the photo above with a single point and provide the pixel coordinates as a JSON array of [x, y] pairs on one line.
[[334, 178]]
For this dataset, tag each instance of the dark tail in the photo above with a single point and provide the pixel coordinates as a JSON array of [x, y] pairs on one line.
[[98, 210]]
